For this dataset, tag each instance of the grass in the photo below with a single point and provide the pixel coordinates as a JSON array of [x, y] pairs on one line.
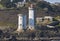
[[58, 25], [6, 25], [1, 6]]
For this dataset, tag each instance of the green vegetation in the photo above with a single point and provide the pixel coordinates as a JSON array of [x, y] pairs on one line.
[[58, 25], [1, 6], [58, 17], [7, 24]]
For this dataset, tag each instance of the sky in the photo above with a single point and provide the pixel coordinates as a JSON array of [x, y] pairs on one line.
[[53, 1]]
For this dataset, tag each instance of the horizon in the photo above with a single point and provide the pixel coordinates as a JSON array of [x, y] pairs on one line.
[[53, 1]]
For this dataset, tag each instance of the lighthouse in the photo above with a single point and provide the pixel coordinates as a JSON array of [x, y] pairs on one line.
[[21, 22], [31, 17]]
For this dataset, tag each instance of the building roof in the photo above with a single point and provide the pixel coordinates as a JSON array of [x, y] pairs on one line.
[[54, 23], [48, 17]]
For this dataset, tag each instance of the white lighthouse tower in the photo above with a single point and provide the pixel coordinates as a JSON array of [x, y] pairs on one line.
[[21, 22], [31, 18]]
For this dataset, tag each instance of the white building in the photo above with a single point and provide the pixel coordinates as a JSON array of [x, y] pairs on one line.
[[44, 20], [39, 19], [50, 18], [31, 17], [21, 22], [20, 4]]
